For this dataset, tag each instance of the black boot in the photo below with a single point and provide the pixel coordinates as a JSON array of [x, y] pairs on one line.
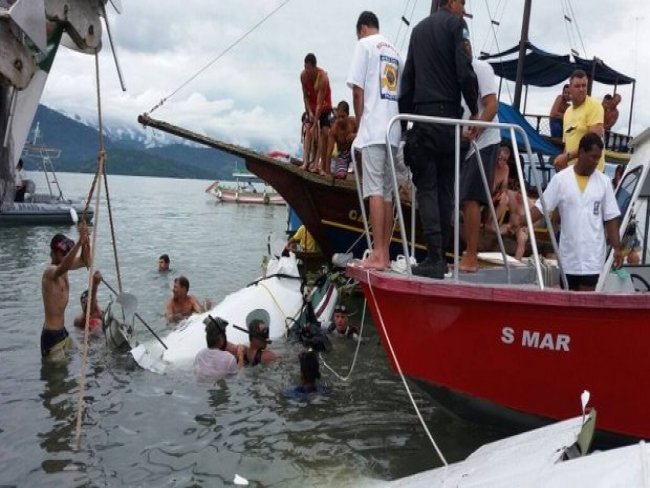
[[434, 266]]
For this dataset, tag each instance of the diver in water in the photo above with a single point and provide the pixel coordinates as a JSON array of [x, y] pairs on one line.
[[214, 362], [258, 335]]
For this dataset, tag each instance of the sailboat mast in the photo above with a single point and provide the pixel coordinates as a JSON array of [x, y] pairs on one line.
[[523, 43]]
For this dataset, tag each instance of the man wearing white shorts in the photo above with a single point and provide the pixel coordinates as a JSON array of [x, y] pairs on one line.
[[374, 77]]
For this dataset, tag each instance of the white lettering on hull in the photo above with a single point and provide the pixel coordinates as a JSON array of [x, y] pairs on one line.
[[537, 340]]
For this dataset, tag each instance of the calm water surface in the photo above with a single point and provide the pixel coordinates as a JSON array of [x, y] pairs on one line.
[[142, 429]]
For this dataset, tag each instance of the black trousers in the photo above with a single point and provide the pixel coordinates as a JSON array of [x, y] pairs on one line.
[[429, 152]]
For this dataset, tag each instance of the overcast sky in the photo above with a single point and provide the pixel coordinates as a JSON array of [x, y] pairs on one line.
[[252, 94]]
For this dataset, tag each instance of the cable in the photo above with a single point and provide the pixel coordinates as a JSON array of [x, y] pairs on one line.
[[399, 371], [214, 60], [575, 21]]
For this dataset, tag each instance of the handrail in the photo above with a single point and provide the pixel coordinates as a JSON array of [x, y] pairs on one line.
[[457, 123]]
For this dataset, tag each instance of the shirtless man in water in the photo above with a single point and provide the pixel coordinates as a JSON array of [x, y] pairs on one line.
[[181, 305], [343, 134], [96, 319], [56, 291]]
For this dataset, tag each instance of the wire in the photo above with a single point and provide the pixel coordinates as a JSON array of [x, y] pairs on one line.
[[219, 56], [575, 21], [401, 373]]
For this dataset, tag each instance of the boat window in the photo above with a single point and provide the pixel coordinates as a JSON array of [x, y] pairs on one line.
[[642, 229], [626, 189]]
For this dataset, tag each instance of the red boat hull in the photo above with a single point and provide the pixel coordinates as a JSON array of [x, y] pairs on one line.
[[527, 350]]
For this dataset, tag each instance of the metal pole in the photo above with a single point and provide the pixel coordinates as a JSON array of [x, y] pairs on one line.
[[523, 43], [629, 124]]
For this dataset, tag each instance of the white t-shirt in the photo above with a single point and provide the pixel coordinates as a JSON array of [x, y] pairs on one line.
[[487, 85], [214, 364], [377, 69], [582, 238]]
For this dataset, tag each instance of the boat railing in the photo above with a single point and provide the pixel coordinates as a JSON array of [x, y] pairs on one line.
[[458, 124]]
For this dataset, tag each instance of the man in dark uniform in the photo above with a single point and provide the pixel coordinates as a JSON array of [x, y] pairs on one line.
[[438, 69]]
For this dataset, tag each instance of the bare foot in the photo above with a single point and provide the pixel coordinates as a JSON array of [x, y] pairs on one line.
[[373, 262], [468, 263]]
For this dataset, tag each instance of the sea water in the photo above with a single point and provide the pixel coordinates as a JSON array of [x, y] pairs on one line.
[[143, 429]]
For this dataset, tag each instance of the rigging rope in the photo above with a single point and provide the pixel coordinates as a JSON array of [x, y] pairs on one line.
[[575, 21], [401, 373], [219, 56], [84, 357]]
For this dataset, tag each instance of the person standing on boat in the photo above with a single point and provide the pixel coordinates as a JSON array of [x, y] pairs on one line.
[[374, 78], [473, 193], [584, 115], [438, 70], [55, 288], [317, 96], [21, 182], [588, 209], [558, 109], [342, 134], [181, 305]]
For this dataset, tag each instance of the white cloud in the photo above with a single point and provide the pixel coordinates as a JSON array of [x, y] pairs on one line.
[[252, 94]]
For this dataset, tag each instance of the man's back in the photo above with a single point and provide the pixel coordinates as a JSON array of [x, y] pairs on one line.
[[436, 71]]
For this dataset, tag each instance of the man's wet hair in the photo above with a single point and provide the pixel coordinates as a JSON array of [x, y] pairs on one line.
[[368, 19], [165, 258], [343, 105], [184, 282], [607, 97], [309, 367], [590, 140], [215, 327], [61, 243], [310, 59]]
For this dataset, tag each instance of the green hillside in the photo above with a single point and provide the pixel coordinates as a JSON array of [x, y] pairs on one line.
[[79, 142]]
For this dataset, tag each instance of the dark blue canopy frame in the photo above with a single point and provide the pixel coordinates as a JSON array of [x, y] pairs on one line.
[[545, 69], [542, 68]]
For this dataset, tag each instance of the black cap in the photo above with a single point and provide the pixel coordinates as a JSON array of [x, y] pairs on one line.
[[217, 322], [340, 308]]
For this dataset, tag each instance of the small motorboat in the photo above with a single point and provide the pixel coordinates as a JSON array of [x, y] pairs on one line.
[[245, 191], [44, 208]]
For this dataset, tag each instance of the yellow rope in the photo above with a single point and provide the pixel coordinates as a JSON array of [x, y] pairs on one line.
[[274, 300]]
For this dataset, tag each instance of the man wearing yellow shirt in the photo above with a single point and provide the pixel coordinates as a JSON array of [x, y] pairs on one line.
[[583, 116], [303, 239]]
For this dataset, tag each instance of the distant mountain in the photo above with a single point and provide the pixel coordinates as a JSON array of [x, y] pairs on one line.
[[129, 152]]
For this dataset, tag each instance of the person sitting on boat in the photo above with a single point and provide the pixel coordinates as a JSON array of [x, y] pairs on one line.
[[55, 287], [583, 116], [258, 336], [340, 326], [302, 240], [181, 305], [215, 362], [317, 96], [588, 209], [342, 134], [501, 179], [163, 263], [610, 104], [21, 182], [558, 108], [95, 320]]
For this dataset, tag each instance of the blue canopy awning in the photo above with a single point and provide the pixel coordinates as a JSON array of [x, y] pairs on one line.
[[510, 115], [542, 68]]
